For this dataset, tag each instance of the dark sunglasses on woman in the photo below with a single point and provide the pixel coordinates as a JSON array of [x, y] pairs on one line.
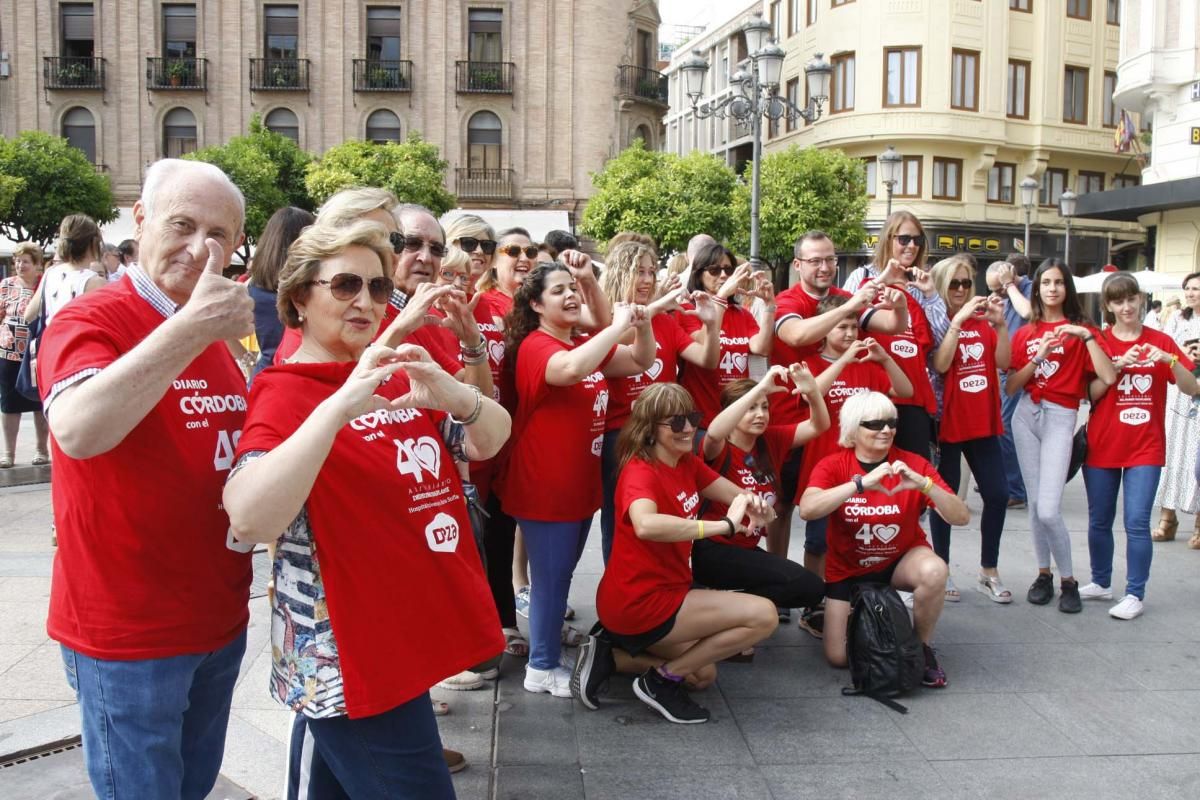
[[679, 422], [347, 285], [515, 250], [880, 424], [962, 283], [414, 243], [905, 239], [726, 271], [468, 244]]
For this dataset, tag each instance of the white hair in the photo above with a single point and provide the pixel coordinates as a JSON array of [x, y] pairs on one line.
[[166, 170], [996, 266], [350, 205], [868, 405]]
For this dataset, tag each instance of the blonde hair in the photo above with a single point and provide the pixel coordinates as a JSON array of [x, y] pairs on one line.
[[78, 237], [868, 405], [629, 236], [316, 244], [658, 402], [620, 271], [943, 272], [471, 225], [456, 258], [350, 205], [30, 249], [883, 248]]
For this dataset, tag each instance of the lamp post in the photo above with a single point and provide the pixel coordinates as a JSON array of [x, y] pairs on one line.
[[755, 95], [890, 162], [1029, 188], [1066, 207]]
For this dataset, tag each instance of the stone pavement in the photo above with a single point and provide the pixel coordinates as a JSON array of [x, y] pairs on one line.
[[1040, 704]]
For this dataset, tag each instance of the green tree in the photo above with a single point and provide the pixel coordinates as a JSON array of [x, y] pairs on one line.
[[412, 170], [10, 187], [668, 197], [57, 180], [289, 158], [804, 189]]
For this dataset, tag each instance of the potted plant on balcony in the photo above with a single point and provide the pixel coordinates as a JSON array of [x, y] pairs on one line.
[[178, 72], [485, 80], [73, 73], [283, 77], [379, 77], [648, 87]]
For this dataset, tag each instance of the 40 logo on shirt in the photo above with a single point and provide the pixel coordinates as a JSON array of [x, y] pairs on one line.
[[734, 363], [971, 352], [1135, 383], [600, 405], [1046, 369], [417, 457], [884, 533], [442, 533]]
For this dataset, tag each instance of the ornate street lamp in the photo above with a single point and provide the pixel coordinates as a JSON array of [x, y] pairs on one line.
[[756, 95], [1066, 207], [890, 163], [1029, 189]]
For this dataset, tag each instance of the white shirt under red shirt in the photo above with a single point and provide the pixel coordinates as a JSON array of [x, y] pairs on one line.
[[143, 569]]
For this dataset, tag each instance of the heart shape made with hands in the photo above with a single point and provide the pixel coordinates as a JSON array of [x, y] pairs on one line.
[[1142, 383], [974, 352], [885, 533], [655, 369], [496, 350], [741, 362], [1046, 369]]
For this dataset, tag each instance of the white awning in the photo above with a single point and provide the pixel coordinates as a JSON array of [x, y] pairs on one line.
[[538, 223], [114, 232]]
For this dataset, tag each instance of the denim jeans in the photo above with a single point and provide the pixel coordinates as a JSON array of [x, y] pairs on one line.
[[608, 480], [1102, 485], [983, 457], [396, 755], [554, 550], [1012, 468], [154, 727]]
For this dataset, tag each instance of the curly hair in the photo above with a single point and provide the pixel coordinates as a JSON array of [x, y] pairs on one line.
[[657, 403], [620, 271], [523, 320]]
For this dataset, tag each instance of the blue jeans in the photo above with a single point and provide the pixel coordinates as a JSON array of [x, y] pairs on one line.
[[155, 727], [554, 550], [608, 480], [395, 755], [1139, 483], [983, 457], [816, 537], [1012, 468]]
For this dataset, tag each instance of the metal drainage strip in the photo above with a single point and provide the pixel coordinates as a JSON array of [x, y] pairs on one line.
[[42, 751]]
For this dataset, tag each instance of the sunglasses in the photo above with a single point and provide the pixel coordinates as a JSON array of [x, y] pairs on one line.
[[347, 285], [880, 424], [679, 422], [414, 243], [905, 239], [468, 244], [515, 250], [714, 271], [962, 283]]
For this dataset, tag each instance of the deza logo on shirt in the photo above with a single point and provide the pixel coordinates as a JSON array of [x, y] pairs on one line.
[[442, 533], [1134, 393], [904, 348]]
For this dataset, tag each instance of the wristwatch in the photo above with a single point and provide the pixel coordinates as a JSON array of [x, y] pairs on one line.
[[858, 484]]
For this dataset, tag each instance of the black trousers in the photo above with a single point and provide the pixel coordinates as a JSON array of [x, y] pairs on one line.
[[915, 432], [499, 534], [785, 583]]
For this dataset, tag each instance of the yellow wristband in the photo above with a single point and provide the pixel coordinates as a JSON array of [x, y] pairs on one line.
[[928, 485], [1174, 361], [700, 534]]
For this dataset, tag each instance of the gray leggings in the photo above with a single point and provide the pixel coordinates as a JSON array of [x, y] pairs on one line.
[[1042, 434]]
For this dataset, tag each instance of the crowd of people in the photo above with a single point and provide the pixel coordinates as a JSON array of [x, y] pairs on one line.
[[432, 418]]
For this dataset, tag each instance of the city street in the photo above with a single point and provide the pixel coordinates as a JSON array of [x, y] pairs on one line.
[[1039, 703]]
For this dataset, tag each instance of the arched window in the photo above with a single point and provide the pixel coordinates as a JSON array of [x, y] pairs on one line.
[[483, 141], [643, 133], [383, 126], [284, 122], [79, 129], [179, 133]]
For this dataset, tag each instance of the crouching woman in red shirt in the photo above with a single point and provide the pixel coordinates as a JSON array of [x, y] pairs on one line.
[[352, 447], [645, 601], [873, 494]]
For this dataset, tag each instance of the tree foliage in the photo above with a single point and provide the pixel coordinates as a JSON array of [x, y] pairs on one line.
[[804, 189], [48, 180], [269, 169], [663, 195], [10, 187], [412, 170]]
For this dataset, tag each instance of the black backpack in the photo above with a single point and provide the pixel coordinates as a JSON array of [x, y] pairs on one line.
[[885, 655]]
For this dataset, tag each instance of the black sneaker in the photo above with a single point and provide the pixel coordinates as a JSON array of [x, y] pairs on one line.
[[1069, 602], [812, 622], [593, 667], [668, 698], [1042, 590]]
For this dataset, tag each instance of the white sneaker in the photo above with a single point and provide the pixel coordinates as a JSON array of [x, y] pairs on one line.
[[464, 681], [1129, 608], [556, 681], [1094, 591]]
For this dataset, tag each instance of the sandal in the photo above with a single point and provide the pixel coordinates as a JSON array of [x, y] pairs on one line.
[[1165, 532], [952, 594], [440, 709], [572, 637], [991, 586], [514, 643], [41, 460], [1194, 542]]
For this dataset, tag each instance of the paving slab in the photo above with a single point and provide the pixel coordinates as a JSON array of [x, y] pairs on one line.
[[894, 780], [1068, 777], [825, 730]]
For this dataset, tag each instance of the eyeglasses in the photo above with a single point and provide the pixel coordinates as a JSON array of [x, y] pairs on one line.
[[880, 424], [414, 243], [347, 285], [962, 283], [468, 244], [679, 422], [905, 239], [450, 276], [815, 263], [515, 250], [714, 271]]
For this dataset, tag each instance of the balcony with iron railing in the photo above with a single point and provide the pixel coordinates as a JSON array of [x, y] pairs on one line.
[[483, 184], [63, 72], [279, 74], [374, 75], [642, 84], [485, 77], [183, 74]]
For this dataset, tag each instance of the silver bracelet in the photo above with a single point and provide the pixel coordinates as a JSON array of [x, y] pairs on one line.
[[474, 415]]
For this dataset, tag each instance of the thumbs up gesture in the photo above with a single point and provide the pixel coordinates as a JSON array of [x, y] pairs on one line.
[[218, 307]]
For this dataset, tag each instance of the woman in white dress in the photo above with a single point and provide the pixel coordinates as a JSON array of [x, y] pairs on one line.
[[1177, 490]]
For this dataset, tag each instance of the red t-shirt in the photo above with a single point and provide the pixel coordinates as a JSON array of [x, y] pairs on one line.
[[858, 377], [743, 469], [1127, 425], [971, 394], [553, 470], [738, 327], [794, 303], [910, 351], [645, 582], [142, 568], [670, 341], [872, 530], [1062, 378], [388, 517], [493, 307]]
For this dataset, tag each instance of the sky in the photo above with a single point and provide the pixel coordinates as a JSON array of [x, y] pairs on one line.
[[696, 12]]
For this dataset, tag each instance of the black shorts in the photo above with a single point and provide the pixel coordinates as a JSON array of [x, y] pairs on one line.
[[842, 589], [12, 401], [637, 643], [789, 476]]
